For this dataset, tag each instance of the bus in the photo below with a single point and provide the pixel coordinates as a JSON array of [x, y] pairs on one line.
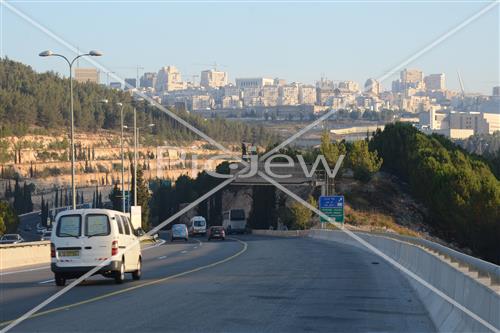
[[234, 221]]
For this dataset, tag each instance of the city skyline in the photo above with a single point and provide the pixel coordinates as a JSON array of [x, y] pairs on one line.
[[337, 41]]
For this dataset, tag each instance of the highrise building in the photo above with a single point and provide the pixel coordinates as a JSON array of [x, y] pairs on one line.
[[83, 75], [307, 94], [289, 94], [348, 86], [213, 79], [411, 75], [372, 87], [169, 79], [148, 80], [435, 82]]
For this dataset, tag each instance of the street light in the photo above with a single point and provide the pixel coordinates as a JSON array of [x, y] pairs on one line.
[[123, 164], [136, 136], [93, 53]]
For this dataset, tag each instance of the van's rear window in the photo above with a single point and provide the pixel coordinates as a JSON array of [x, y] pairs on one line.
[[69, 226], [97, 225], [237, 214]]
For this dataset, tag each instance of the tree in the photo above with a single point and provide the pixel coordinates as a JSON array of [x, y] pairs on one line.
[[115, 198], [363, 162], [331, 151], [9, 220], [301, 214]]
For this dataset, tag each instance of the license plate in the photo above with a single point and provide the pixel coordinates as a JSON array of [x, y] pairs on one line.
[[69, 253]]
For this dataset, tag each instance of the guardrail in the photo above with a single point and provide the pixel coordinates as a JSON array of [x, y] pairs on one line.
[[483, 268], [280, 233]]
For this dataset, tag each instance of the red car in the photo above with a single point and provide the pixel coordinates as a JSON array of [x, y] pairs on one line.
[[216, 232]]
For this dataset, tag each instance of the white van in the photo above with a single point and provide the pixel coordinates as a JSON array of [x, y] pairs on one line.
[[83, 238], [234, 221], [197, 226]]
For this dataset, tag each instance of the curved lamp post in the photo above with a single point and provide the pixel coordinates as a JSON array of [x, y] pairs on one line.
[[49, 53]]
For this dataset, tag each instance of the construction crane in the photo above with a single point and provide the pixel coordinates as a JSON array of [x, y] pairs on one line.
[[214, 65]]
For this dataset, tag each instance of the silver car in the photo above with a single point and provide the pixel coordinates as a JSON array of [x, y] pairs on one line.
[[11, 239], [179, 231]]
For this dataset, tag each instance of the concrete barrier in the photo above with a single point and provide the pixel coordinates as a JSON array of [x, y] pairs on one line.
[[23, 254], [456, 282], [280, 233]]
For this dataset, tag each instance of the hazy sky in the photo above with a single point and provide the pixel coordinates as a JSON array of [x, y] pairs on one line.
[[295, 41]]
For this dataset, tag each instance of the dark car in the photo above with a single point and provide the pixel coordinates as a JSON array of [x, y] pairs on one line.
[[216, 232]]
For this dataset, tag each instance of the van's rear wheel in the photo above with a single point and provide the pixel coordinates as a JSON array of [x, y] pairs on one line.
[[60, 280], [120, 275], [136, 275]]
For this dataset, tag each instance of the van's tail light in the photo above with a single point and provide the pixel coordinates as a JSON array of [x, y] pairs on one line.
[[114, 248], [52, 250]]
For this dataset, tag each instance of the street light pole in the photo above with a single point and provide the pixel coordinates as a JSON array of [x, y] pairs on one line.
[[49, 53], [123, 164], [135, 157]]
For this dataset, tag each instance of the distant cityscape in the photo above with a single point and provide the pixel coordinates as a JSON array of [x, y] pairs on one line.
[[456, 114]]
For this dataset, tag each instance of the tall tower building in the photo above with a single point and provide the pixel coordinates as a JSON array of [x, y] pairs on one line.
[[435, 82], [213, 79], [411, 76], [372, 87], [169, 79]]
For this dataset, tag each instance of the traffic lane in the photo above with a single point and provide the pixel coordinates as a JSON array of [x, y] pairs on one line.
[[29, 220], [22, 291], [18, 297], [277, 285]]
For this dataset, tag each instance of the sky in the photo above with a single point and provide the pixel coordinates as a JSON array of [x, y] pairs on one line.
[[296, 40]]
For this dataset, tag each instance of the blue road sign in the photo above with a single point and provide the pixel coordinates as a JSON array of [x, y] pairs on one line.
[[333, 207]]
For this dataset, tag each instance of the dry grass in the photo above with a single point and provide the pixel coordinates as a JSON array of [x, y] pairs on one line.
[[375, 221]]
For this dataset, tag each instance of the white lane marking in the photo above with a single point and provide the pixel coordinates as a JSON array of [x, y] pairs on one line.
[[195, 247], [161, 242], [184, 251], [162, 257], [48, 281], [25, 270]]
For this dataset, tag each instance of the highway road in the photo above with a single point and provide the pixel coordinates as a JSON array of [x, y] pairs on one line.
[[246, 284], [29, 220]]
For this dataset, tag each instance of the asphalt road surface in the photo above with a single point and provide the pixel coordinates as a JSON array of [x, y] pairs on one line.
[[248, 284], [29, 221]]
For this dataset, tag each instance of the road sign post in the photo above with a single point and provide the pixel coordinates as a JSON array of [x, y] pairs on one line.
[[333, 207]]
